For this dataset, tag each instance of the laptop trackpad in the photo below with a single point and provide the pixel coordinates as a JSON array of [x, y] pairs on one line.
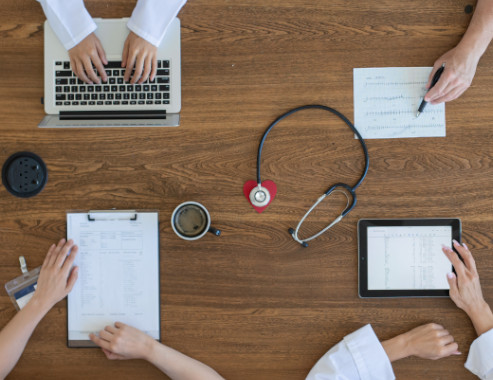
[[112, 33]]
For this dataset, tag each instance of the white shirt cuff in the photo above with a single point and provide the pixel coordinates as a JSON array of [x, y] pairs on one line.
[[151, 18], [368, 354], [359, 355], [69, 20], [480, 358]]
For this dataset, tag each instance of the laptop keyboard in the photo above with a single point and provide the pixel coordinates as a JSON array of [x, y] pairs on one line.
[[71, 91]]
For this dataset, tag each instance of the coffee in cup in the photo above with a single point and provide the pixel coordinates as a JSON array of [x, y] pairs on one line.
[[191, 221]]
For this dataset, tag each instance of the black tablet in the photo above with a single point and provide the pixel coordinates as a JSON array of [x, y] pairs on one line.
[[404, 258]]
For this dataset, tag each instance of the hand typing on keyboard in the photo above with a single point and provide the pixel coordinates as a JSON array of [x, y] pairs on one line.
[[139, 58], [142, 55], [84, 55]]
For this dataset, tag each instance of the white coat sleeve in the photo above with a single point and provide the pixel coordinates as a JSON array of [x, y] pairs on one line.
[[151, 18], [69, 19], [359, 355], [480, 358]]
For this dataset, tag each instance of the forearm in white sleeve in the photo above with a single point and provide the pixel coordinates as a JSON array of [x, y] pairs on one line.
[[359, 356], [151, 18], [480, 358], [69, 20]]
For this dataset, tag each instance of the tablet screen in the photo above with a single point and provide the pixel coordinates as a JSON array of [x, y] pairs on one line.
[[408, 257]]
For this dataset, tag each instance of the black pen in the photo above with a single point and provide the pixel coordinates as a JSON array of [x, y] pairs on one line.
[[434, 81]]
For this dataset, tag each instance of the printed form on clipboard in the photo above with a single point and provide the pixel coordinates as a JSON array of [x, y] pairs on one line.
[[118, 280]]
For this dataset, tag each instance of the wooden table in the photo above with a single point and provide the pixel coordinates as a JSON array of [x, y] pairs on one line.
[[253, 304]]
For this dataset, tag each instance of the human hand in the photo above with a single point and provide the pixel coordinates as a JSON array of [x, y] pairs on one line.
[[430, 341], [142, 55], [123, 342], [84, 55], [57, 277], [460, 67], [465, 289]]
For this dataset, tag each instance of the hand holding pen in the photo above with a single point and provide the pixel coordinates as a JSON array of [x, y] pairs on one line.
[[436, 78], [461, 67]]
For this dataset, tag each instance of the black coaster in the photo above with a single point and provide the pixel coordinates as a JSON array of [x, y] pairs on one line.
[[24, 174]]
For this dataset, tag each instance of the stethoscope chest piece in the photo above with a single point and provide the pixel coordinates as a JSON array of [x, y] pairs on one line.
[[259, 196]]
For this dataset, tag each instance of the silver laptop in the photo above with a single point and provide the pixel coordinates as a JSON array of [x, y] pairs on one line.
[[69, 102]]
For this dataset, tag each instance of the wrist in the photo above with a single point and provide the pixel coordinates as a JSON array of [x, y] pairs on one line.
[[478, 309], [397, 348], [38, 307], [471, 48], [151, 346], [481, 317]]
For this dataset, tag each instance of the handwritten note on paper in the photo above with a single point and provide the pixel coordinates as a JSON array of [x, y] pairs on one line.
[[386, 100]]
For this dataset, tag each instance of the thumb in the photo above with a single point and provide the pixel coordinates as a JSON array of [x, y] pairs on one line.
[[74, 275], [125, 53], [450, 349]]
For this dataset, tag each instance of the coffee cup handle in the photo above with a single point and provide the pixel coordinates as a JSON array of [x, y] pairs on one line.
[[214, 231]]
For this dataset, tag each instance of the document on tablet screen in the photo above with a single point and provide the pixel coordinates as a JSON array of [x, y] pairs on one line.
[[408, 257]]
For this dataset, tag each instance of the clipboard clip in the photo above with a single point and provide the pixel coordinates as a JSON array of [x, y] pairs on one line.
[[93, 216]]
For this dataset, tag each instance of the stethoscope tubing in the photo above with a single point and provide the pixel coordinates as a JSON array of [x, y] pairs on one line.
[[329, 109], [351, 190]]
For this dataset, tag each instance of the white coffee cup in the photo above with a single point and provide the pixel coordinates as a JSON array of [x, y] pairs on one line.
[[191, 221]]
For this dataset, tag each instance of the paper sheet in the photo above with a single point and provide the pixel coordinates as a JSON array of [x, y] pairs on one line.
[[386, 100], [118, 274]]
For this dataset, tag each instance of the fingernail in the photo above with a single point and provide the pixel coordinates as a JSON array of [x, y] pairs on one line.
[[455, 242], [445, 247], [457, 353], [450, 275], [465, 246]]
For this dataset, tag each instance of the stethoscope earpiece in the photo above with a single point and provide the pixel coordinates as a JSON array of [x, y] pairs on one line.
[[259, 196], [292, 231]]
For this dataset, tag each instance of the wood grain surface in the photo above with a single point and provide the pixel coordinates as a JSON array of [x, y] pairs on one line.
[[253, 304]]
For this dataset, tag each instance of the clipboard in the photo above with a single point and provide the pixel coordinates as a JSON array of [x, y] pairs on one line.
[[119, 278]]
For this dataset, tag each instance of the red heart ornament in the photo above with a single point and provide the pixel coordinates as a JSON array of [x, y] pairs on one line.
[[269, 185]]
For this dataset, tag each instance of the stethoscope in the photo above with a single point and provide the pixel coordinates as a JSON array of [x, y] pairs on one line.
[[260, 195]]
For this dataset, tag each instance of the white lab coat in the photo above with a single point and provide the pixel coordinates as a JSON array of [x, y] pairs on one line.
[[360, 355], [480, 358], [72, 23]]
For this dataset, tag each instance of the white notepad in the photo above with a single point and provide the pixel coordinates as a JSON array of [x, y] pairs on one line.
[[386, 100], [118, 280]]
